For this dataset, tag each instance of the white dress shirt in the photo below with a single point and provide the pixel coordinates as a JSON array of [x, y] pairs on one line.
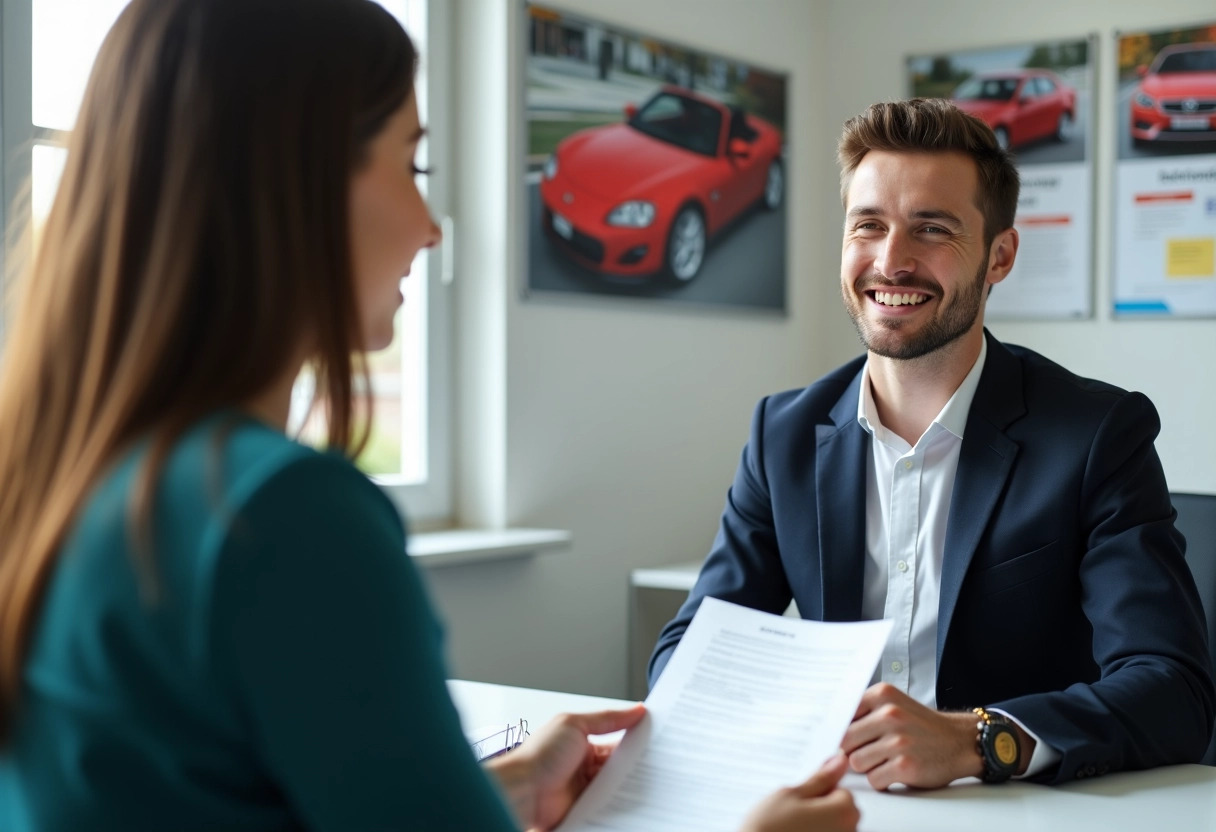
[[908, 489]]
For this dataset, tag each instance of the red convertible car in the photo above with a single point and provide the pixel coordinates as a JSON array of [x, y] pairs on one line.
[[642, 197], [1176, 98], [1020, 105]]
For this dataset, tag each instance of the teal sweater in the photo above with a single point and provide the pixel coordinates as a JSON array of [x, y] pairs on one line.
[[288, 677]]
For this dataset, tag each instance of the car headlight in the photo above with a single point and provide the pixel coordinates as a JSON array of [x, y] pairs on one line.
[[1143, 100], [550, 169], [633, 214]]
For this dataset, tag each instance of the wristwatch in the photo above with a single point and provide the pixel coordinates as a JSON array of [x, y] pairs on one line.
[[998, 745]]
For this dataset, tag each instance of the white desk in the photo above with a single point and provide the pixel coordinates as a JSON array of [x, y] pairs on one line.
[[1178, 799]]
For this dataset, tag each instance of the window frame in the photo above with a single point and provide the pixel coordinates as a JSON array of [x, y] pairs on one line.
[[430, 503], [16, 122]]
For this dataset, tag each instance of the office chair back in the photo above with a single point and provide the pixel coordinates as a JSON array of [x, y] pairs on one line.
[[1197, 522]]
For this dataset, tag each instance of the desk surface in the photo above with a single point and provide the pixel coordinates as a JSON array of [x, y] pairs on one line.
[[1178, 798]]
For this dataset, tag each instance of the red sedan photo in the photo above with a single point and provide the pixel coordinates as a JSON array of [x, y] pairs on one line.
[[1020, 105], [1176, 98], [645, 196]]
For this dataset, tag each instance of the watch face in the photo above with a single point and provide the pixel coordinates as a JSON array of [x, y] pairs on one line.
[[1006, 748]]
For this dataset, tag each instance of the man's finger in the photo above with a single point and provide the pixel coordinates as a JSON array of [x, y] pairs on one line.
[[862, 731], [864, 706], [885, 776], [867, 757], [875, 695]]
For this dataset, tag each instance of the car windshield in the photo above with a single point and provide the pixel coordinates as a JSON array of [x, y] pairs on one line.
[[1197, 60], [684, 122], [987, 89]]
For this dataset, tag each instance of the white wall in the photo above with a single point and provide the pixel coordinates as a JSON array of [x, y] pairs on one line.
[[1173, 362], [623, 421]]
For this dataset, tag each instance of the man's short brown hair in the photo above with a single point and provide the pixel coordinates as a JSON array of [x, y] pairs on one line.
[[934, 125]]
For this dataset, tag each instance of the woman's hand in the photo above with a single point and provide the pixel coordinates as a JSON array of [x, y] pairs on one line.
[[816, 805], [544, 776]]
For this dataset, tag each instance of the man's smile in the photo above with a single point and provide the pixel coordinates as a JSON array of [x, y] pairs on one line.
[[898, 298]]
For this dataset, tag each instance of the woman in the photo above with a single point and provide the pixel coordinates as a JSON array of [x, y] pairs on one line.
[[204, 625]]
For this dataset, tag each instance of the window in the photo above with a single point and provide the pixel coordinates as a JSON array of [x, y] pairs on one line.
[[409, 448], [48, 48]]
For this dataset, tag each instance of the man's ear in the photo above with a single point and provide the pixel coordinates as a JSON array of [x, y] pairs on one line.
[[1001, 254]]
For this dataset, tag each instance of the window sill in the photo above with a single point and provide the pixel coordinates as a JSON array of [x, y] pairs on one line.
[[678, 576], [459, 546]]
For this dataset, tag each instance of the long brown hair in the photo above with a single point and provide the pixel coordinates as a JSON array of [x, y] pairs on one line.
[[935, 125], [197, 244]]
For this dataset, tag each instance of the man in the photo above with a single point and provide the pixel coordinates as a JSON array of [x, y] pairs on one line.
[[1011, 518]]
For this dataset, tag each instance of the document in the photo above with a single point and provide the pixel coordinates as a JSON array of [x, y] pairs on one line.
[[748, 703]]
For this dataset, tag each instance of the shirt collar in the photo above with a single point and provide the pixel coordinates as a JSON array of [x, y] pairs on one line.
[[953, 416]]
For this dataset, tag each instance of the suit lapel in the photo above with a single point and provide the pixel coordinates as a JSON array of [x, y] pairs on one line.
[[840, 487], [984, 464]]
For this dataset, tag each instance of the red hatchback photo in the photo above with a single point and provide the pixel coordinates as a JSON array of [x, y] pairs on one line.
[[1176, 98], [1020, 105], [645, 196]]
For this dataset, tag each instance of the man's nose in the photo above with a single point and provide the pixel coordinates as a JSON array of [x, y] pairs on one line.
[[895, 257]]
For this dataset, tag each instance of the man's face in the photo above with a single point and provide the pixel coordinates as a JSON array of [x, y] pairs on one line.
[[914, 269]]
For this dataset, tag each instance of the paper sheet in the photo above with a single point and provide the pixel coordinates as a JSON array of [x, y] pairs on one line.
[[748, 703]]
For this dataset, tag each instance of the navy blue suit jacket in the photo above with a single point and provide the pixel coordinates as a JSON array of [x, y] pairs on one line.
[[1065, 598]]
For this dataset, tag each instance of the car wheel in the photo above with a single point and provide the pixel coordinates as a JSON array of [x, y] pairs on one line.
[[1064, 127], [1002, 137], [686, 244], [774, 185]]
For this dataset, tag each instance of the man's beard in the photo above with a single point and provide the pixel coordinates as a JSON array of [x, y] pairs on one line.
[[951, 322]]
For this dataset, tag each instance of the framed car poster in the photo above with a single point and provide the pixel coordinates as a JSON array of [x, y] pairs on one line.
[[1164, 262], [1038, 100], [654, 170]]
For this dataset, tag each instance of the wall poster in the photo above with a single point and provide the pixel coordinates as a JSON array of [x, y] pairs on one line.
[[654, 170], [1164, 260], [1038, 99]]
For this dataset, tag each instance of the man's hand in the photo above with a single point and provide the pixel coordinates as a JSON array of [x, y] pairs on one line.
[[895, 739]]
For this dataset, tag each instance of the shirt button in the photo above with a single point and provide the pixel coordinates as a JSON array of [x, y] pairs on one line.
[[896, 667], [907, 463], [902, 566]]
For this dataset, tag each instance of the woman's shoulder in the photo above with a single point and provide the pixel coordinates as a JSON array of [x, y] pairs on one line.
[[228, 484], [237, 472], [234, 458]]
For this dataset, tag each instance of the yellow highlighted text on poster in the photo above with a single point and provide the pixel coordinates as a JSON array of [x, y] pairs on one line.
[[1190, 257]]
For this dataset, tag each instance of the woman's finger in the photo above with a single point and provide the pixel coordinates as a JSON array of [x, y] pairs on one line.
[[606, 722], [824, 780]]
